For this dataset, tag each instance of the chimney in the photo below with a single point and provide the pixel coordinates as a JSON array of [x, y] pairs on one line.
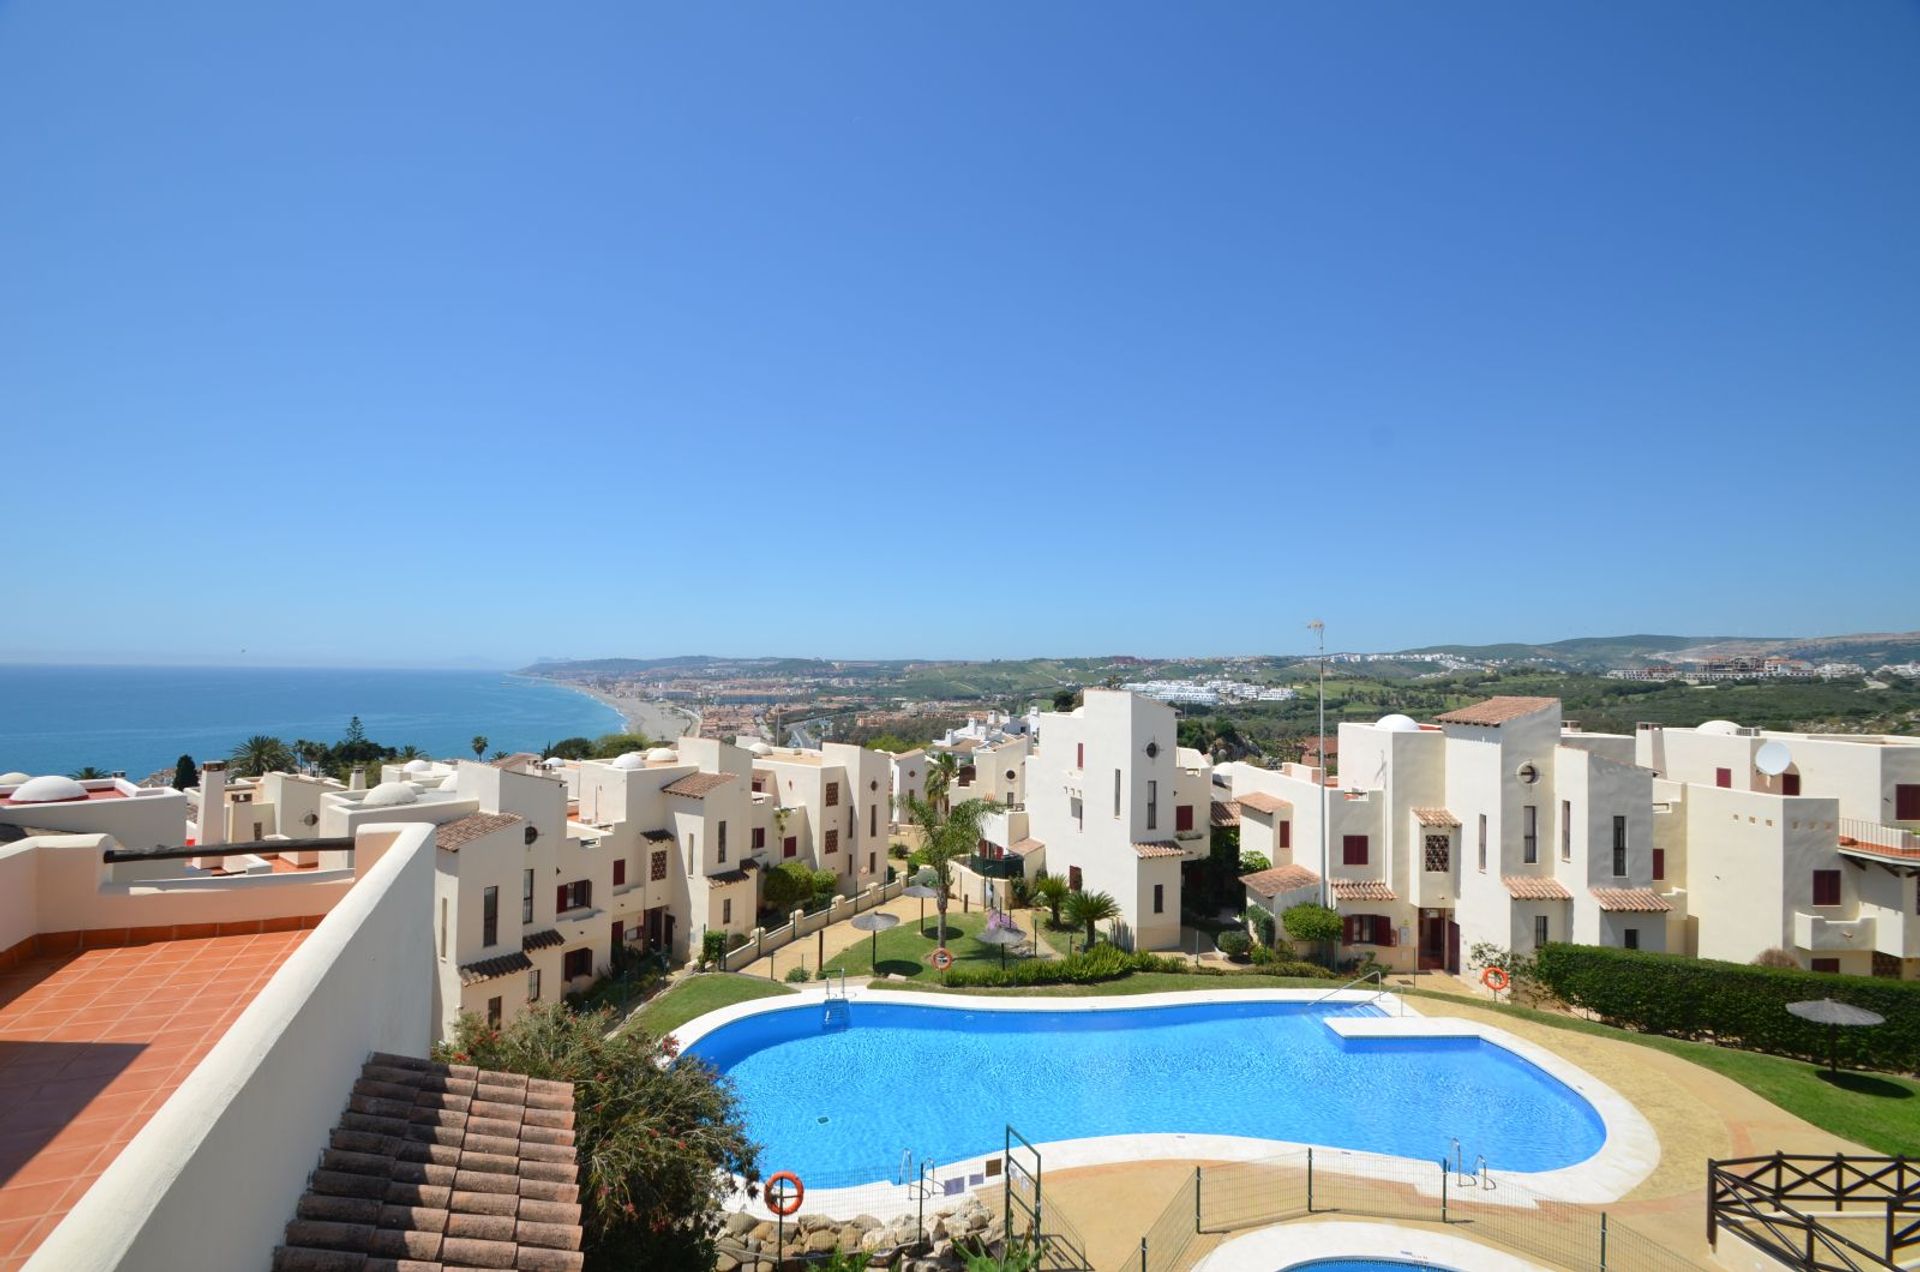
[[213, 803], [358, 780]]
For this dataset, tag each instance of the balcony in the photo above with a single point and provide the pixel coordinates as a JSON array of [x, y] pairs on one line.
[[1008, 867], [1876, 840], [1816, 932]]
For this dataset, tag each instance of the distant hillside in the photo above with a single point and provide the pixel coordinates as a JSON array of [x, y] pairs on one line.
[[1604, 653]]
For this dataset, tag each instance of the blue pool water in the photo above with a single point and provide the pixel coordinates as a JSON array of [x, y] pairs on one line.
[[840, 1106], [1366, 1265]]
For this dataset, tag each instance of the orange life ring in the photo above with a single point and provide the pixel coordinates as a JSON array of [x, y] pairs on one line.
[[942, 959], [789, 1202], [1495, 979]]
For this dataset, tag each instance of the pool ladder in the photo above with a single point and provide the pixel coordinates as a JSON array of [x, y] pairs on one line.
[[1478, 1177], [837, 1011]]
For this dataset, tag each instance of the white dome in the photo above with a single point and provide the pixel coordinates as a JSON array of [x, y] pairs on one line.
[[416, 766], [760, 748], [662, 755], [1725, 728], [631, 760], [554, 761], [1397, 723], [14, 779], [390, 795], [51, 789]]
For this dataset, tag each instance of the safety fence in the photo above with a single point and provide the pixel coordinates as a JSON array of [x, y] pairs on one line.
[[1794, 1207], [1221, 1200], [763, 941]]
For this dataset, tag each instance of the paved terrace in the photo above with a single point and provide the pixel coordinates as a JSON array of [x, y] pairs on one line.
[[93, 1041]]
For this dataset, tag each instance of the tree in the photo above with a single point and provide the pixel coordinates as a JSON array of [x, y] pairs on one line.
[[1254, 862], [185, 774], [412, 753], [355, 732], [946, 836], [657, 1142], [1051, 891], [1313, 924], [89, 774], [941, 767], [608, 745], [260, 755], [1066, 699], [479, 745], [569, 749], [1084, 909], [787, 886]]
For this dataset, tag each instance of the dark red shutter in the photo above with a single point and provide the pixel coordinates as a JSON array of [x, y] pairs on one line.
[[1789, 783], [1353, 850], [619, 871], [1723, 777], [1348, 926], [1286, 834], [560, 899], [1659, 863], [1183, 817], [1906, 802]]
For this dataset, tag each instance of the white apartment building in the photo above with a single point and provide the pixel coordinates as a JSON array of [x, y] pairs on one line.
[[1116, 806], [1807, 843], [909, 776], [1492, 824], [136, 816]]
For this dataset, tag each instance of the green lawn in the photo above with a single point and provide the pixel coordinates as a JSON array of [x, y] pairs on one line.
[[698, 995], [903, 951]]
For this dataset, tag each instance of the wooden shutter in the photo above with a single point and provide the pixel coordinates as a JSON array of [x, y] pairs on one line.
[[560, 899]]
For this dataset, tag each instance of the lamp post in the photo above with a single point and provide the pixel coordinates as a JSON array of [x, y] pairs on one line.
[[1320, 755]]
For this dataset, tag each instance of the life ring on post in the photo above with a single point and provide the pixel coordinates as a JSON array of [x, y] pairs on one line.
[[788, 1201], [942, 959], [1495, 979]]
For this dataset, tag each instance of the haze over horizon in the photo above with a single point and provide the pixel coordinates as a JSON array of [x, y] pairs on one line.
[[446, 335]]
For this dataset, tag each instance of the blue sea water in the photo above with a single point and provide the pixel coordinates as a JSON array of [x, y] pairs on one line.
[[840, 1106], [59, 719]]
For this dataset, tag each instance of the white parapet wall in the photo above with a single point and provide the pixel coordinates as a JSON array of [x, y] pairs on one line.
[[212, 1179]]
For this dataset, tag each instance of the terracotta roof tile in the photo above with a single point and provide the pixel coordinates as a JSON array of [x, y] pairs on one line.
[[454, 834], [519, 759], [1361, 890], [1495, 712], [442, 1166], [1631, 900], [657, 836], [1025, 846], [1535, 888], [487, 969], [1435, 817], [697, 785], [1226, 812], [1280, 879], [1159, 848], [1261, 802], [545, 939]]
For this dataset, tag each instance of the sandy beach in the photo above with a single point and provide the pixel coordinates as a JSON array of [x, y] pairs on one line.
[[658, 720]]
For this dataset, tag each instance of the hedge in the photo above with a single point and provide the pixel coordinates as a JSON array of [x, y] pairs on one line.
[[1735, 1004], [1103, 962]]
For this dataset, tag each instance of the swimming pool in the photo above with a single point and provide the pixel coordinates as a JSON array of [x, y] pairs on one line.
[[844, 1104], [1366, 1265]]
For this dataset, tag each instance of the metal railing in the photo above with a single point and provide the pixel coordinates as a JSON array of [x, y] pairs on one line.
[[1008, 867], [1768, 1203], [1379, 978], [1891, 839]]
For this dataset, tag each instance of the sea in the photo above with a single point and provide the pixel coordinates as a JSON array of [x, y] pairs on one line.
[[142, 719]]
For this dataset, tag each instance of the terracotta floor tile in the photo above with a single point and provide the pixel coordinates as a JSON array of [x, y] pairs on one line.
[[56, 1165], [31, 1200]]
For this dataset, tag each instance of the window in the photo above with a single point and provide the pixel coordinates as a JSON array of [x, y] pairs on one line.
[[526, 896], [790, 846], [619, 933], [1566, 830], [872, 863], [1073, 878], [490, 916], [726, 910], [1483, 843], [1723, 777], [1906, 802], [1079, 755], [1659, 863], [1116, 792], [576, 963], [1286, 834], [1826, 887], [1183, 817], [759, 784], [833, 842], [1153, 804], [1439, 853], [1078, 808], [1366, 929], [533, 985], [1159, 898], [833, 794], [1530, 833], [1539, 930], [657, 869], [759, 838], [722, 847], [1353, 850], [1619, 846], [443, 927], [1831, 966], [493, 1013], [1631, 938], [873, 821], [1789, 783], [577, 895]]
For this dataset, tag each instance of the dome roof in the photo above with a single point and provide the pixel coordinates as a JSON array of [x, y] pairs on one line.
[[14, 779], [1725, 728], [662, 755], [390, 795], [760, 748], [52, 789], [631, 760], [1397, 723], [416, 766]]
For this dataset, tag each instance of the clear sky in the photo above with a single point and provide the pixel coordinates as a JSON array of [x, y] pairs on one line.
[[429, 333]]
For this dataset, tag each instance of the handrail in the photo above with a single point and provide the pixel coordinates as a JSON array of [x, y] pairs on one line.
[[1378, 976], [1736, 1200], [250, 847]]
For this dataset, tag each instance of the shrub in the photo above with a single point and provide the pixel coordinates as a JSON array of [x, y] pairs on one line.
[[1104, 963], [1254, 862], [1052, 892], [1272, 962], [796, 974], [1085, 909], [1735, 1004], [1312, 922], [1774, 958], [1235, 944], [713, 945], [1260, 919]]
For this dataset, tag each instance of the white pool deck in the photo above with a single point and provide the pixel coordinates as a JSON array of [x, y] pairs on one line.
[[1628, 1154], [1292, 1245]]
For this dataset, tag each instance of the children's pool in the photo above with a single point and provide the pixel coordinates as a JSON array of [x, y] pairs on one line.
[[845, 1102]]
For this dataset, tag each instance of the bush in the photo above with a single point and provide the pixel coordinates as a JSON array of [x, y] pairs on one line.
[[1313, 923], [1260, 919], [795, 975], [713, 946], [1734, 1004], [1254, 863], [1272, 962], [1774, 958], [1104, 963], [1235, 944]]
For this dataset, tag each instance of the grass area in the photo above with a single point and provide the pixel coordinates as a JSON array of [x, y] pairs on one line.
[[903, 951], [698, 995], [1137, 983]]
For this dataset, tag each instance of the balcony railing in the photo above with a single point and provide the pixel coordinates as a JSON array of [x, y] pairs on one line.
[[1816, 932], [1886, 840], [1009, 867]]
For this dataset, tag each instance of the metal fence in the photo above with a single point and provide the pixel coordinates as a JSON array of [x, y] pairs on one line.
[[1220, 1200]]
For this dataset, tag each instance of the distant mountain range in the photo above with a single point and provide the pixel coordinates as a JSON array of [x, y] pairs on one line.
[[1605, 653]]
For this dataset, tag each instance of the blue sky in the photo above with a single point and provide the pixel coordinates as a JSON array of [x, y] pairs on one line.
[[450, 332]]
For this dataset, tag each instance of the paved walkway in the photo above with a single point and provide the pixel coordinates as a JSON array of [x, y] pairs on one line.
[[833, 938]]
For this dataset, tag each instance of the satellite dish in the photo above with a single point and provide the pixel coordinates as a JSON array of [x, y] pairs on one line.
[[1772, 758]]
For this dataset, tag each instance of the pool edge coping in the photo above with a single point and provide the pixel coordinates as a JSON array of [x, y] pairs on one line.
[[1296, 1245]]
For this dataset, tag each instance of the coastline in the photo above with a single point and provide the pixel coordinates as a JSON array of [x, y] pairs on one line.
[[656, 720]]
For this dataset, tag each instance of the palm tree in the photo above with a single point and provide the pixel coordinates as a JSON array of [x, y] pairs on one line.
[[88, 774], [1051, 891], [947, 835], [1089, 908], [411, 753], [479, 745], [259, 755], [941, 768]]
